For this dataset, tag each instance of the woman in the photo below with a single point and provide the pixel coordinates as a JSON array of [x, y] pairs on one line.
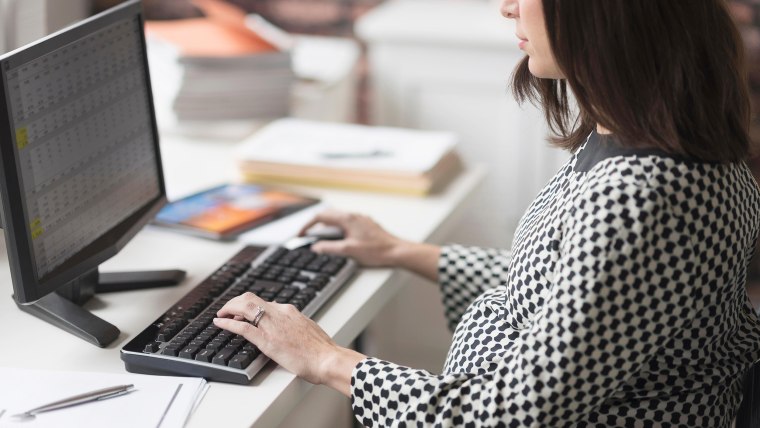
[[622, 301]]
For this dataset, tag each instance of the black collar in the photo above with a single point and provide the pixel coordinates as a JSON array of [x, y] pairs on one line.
[[601, 147]]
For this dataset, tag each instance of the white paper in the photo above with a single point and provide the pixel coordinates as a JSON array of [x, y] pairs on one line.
[[23, 389], [280, 230]]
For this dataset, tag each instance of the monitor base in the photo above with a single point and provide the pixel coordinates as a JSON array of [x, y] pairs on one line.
[[64, 308], [66, 315]]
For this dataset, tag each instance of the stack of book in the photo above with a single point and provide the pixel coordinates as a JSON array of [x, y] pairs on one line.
[[359, 157], [232, 67]]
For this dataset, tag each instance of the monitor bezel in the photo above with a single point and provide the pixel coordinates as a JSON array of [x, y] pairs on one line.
[[27, 286]]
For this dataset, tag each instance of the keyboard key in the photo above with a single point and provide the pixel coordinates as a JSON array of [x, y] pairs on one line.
[[205, 355], [165, 334], [225, 335], [179, 342], [223, 356], [171, 351], [204, 338], [298, 303], [241, 361], [151, 347], [285, 278], [189, 352], [277, 254], [318, 282], [288, 292], [215, 346], [237, 341], [233, 348], [330, 268], [184, 336], [270, 286], [248, 351], [196, 343], [313, 267], [256, 289]]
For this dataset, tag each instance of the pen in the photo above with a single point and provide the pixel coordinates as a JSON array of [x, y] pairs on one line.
[[100, 394], [166, 410], [350, 155]]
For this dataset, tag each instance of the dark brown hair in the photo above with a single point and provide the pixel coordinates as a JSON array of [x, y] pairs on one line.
[[668, 74]]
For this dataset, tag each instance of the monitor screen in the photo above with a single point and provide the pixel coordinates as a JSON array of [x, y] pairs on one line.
[[81, 165]]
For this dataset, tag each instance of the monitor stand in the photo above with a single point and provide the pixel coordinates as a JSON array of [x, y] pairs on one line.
[[63, 308]]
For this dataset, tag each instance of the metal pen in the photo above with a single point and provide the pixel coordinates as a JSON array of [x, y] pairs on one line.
[[100, 394], [376, 153]]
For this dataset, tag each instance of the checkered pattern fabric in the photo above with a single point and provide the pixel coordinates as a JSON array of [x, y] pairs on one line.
[[622, 304]]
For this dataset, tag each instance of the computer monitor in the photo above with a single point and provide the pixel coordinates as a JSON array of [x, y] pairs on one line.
[[80, 166]]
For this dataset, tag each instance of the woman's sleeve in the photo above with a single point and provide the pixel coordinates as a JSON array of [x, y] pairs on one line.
[[465, 273], [621, 292]]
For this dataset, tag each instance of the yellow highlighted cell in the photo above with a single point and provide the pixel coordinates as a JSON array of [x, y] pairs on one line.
[[35, 223], [37, 232], [22, 137]]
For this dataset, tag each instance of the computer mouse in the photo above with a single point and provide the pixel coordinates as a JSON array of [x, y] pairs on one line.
[[314, 234], [324, 232]]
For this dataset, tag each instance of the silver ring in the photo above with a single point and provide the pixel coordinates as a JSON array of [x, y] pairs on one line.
[[257, 317]]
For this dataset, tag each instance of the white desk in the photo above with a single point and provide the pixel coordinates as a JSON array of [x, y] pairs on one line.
[[189, 166]]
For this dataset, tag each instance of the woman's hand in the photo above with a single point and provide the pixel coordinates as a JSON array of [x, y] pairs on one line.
[[369, 244], [292, 340], [363, 239]]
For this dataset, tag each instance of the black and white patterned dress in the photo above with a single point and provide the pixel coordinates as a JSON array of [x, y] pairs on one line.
[[621, 303]]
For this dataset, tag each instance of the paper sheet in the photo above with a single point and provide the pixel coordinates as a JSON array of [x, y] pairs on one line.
[[23, 389], [279, 231]]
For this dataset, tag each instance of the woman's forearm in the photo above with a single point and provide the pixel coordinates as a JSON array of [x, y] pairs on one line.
[[418, 258]]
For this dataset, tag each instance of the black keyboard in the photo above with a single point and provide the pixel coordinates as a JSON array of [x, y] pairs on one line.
[[185, 342]]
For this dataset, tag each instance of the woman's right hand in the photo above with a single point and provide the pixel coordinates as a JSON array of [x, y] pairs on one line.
[[363, 240]]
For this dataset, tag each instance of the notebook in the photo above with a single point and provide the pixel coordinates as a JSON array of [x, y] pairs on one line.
[[351, 156]]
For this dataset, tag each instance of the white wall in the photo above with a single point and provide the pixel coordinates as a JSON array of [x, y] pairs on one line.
[[61, 13], [24, 21]]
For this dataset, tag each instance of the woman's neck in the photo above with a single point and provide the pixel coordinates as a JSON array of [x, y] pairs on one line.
[[602, 130]]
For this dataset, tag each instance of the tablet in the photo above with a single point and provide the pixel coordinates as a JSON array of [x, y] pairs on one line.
[[226, 211]]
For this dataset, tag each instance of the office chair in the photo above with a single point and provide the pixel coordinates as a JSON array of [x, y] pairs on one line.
[[749, 411]]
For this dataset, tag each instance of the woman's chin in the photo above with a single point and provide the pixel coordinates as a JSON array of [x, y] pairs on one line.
[[543, 71]]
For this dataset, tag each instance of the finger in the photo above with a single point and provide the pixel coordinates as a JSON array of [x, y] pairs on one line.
[[329, 217], [245, 305], [324, 217], [331, 247], [309, 225], [242, 328]]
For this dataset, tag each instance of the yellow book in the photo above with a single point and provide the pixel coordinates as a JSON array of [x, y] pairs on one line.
[[357, 157]]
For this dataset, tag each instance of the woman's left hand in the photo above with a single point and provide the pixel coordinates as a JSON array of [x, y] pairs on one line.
[[292, 340]]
